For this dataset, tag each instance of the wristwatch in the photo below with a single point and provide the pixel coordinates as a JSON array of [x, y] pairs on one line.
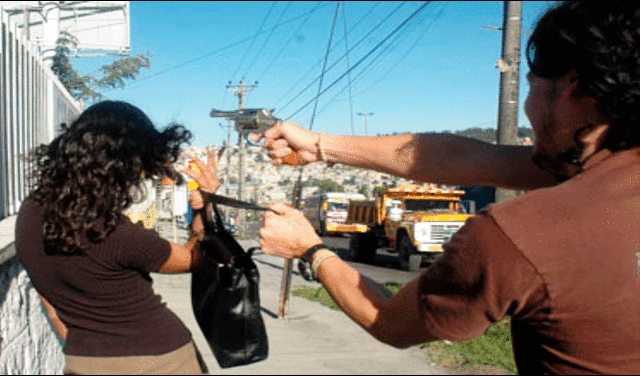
[[304, 264]]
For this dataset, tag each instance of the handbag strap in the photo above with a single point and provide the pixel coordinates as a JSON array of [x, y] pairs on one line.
[[212, 219], [213, 225]]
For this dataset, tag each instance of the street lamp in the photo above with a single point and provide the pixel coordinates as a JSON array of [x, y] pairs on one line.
[[366, 116]]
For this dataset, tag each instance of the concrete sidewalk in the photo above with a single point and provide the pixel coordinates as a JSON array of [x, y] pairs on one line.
[[312, 339]]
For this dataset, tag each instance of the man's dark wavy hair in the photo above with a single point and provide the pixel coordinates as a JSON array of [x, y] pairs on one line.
[[91, 172], [600, 41]]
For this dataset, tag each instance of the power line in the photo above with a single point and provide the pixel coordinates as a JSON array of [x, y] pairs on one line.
[[395, 65], [312, 68], [255, 37], [277, 55], [363, 71], [324, 65], [342, 57], [221, 49], [366, 68], [264, 44], [346, 45], [366, 56]]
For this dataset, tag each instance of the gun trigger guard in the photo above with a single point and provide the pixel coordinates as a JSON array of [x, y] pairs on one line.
[[250, 142]]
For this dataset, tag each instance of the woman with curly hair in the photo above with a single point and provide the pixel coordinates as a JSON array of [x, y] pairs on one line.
[[561, 261], [88, 262]]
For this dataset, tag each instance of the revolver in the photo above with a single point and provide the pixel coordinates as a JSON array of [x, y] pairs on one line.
[[253, 120]]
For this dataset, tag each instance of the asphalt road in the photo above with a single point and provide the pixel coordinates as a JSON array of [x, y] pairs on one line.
[[385, 266]]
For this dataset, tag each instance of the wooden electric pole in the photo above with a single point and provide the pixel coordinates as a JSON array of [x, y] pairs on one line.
[[228, 152], [509, 66], [241, 91]]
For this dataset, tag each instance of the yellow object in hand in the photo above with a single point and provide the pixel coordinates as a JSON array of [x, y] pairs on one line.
[[193, 184]]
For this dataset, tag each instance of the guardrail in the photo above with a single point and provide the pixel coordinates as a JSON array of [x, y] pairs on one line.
[[33, 104]]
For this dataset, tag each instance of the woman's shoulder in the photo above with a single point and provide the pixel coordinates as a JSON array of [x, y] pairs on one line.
[[127, 231], [30, 209]]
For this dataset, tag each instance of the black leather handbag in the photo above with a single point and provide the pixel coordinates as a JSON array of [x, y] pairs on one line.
[[225, 297]]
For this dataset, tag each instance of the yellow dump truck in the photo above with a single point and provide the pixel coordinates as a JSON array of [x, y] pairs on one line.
[[412, 220], [327, 212]]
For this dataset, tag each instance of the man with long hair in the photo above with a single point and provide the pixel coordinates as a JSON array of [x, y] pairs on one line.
[[563, 260], [88, 262]]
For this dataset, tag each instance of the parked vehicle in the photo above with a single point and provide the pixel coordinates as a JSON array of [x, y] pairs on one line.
[[230, 227]]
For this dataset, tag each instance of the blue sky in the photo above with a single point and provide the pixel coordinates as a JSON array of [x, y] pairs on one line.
[[437, 73]]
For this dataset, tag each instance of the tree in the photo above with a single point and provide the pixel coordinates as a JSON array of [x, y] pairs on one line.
[[364, 191], [379, 191], [329, 186], [114, 75]]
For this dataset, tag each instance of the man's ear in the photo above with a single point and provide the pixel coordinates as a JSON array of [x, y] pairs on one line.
[[592, 138], [595, 135], [569, 86]]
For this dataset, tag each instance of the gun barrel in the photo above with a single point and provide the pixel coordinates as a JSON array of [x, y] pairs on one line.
[[224, 114]]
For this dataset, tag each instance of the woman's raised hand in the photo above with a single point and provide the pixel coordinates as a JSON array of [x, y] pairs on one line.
[[207, 176]]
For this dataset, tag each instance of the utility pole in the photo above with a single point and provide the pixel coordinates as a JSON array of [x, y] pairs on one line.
[[228, 151], [509, 65], [241, 91]]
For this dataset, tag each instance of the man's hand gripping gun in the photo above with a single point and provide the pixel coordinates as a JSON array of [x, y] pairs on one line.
[[253, 121]]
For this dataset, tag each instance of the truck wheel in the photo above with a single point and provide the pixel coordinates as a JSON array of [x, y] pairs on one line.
[[363, 247], [406, 251]]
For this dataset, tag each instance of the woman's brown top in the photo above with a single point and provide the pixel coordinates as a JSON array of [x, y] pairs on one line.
[[104, 295]]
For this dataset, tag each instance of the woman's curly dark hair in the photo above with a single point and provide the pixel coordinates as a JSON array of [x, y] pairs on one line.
[[600, 41], [91, 172]]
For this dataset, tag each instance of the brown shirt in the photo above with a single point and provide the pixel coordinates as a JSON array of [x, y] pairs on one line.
[[103, 296], [562, 262]]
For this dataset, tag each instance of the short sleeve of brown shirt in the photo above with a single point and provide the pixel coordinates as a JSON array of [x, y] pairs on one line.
[[480, 278], [140, 248]]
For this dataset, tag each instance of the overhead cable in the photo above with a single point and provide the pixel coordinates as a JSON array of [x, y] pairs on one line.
[[413, 46], [312, 68], [382, 52], [324, 65], [342, 57], [365, 57], [367, 68], [346, 45], [221, 49], [279, 53], [264, 44], [255, 37]]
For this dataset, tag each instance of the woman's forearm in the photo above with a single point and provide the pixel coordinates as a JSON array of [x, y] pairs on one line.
[[57, 323], [440, 158]]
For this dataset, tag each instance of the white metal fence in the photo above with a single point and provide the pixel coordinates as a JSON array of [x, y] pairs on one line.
[[33, 104]]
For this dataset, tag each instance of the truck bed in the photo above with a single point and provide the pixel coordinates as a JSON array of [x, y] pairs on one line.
[[362, 212]]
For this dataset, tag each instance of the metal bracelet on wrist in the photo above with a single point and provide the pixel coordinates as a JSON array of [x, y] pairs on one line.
[[304, 264]]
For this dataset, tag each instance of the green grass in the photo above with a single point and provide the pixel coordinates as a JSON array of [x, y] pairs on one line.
[[321, 295], [493, 348]]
